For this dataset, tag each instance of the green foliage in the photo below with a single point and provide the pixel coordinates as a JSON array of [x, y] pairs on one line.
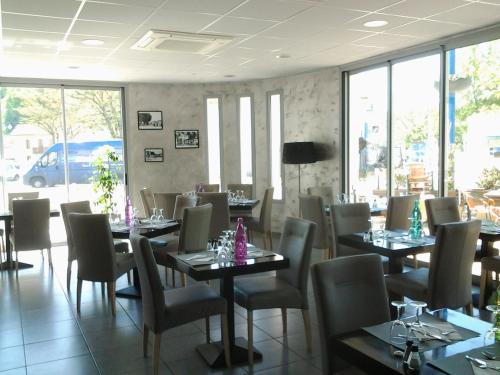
[[10, 109], [490, 179], [105, 180]]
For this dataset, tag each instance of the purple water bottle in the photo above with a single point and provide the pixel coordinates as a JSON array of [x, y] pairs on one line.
[[128, 212], [240, 241]]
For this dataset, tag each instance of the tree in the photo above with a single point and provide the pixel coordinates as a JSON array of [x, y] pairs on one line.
[[11, 115]]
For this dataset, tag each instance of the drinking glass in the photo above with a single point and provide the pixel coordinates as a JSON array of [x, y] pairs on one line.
[[153, 217], [419, 305], [490, 335], [398, 332], [160, 216]]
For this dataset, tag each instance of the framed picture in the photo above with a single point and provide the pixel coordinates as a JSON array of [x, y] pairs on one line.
[[150, 120], [153, 155], [187, 139]]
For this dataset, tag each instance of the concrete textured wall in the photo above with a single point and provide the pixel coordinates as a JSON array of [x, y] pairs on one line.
[[311, 113]]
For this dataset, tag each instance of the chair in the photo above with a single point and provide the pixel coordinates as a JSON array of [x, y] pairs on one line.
[[22, 195], [166, 201], [286, 290], [165, 310], [182, 202], [488, 266], [207, 188], [96, 255], [350, 293], [325, 192], [148, 201], [82, 207], [447, 282], [32, 223], [247, 189], [262, 224], [313, 209], [220, 212], [193, 237]]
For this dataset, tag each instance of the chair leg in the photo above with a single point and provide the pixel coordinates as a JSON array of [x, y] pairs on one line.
[[184, 280], [469, 309], [102, 290], [129, 278], [17, 261], [145, 340], [207, 329], [225, 339], [284, 319], [112, 298], [264, 241], [166, 275], [250, 336], [482, 288], [270, 237], [307, 327], [50, 256], [68, 276], [415, 262], [173, 277], [78, 294], [156, 354]]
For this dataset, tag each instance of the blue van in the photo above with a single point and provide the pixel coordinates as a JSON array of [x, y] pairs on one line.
[[48, 170]]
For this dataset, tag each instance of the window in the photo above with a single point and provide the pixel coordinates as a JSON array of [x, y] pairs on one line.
[[213, 138], [245, 112], [275, 123]]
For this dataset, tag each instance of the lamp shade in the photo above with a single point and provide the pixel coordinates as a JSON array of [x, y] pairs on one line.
[[298, 153]]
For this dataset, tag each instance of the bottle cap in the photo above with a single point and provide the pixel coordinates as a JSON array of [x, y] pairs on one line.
[[414, 348]]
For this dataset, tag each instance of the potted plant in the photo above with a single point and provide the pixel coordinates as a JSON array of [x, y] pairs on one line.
[[105, 180], [489, 179]]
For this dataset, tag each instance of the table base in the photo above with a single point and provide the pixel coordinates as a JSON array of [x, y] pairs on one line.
[[129, 292], [213, 353], [12, 265]]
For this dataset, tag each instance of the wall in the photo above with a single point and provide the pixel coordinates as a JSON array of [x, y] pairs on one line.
[[311, 113]]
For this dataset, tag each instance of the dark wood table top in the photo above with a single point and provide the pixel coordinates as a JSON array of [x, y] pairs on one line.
[[247, 204], [9, 215], [122, 232], [489, 231], [375, 356]]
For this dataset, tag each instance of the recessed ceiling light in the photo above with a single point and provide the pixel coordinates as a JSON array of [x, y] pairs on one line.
[[377, 23], [283, 56], [92, 42], [229, 76], [73, 67]]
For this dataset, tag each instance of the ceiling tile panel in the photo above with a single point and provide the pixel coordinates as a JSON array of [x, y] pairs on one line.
[[269, 9], [428, 29], [239, 26], [392, 21], [366, 5], [143, 3], [114, 13], [53, 8], [266, 43], [293, 30], [173, 20], [341, 35], [326, 16], [421, 8], [95, 28], [35, 23], [109, 42], [203, 6], [477, 14], [388, 40]]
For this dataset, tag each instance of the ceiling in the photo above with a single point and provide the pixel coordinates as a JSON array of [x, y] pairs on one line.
[[42, 38]]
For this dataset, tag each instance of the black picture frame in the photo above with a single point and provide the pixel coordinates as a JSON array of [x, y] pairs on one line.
[[187, 138], [150, 120], [153, 155]]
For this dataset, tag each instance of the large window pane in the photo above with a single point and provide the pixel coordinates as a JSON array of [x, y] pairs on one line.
[[275, 125], [473, 127], [368, 134], [213, 131], [415, 126], [246, 139]]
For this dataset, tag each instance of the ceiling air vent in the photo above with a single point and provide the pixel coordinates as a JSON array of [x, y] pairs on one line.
[[161, 40]]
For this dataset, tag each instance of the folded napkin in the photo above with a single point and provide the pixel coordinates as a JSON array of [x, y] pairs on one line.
[[486, 371], [438, 329]]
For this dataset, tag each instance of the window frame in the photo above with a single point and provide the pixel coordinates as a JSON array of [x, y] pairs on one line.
[[221, 144], [269, 94], [252, 132]]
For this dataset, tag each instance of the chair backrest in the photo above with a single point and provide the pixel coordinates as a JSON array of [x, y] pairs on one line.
[[166, 201], [313, 209], [22, 195], [95, 251], [325, 192], [450, 276], [82, 207], [266, 210], [153, 300], [247, 189], [441, 211], [348, 218], [182, 202], [350, 293], [32, 224], [220, 212], [208, 188], [148, 201], [296, 241], [195, 228], [398, 212]]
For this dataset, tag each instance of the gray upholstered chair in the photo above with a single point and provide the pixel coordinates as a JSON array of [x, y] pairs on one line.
[[350, 293], [286, 290], [166, 201], [21, 195], [313, 209], [220, 212], [182, 202], [208, 188], [148, 201], [172, 308], [81, 207], [96, 255], [193, 237], [489, 265], [447, 282], [325, 192], [32, 226], [262, 224], [247, 189]]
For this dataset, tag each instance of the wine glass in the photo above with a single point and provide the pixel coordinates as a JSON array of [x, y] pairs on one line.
[[492, 333], [419, 306], [398, 332], [154, 217], [160, 217]]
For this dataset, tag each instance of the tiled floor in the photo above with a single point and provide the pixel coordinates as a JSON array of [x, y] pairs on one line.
[[40, 332]]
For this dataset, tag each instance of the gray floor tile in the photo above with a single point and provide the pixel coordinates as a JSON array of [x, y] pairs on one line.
[[197, 366], [17, 371], [105, 322], [50, 331], [274, 354], [240, 330], [182, 347], [83, 365], [11, 337], [55, 349], [273, 326], [297, 343], [11, 358], [296, 368], [114, 338]]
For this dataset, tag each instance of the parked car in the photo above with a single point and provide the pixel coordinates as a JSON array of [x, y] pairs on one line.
[[10, 170]]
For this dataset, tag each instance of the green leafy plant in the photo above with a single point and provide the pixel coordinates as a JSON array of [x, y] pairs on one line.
[[401, 180], [105, 180], [490, 179]]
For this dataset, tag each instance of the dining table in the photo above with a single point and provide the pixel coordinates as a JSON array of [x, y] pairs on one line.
[[242, 207], [376, 356], [490, 233], [8, 217], [226, 270]]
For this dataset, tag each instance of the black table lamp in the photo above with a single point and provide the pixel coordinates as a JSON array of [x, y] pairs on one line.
[[298, 153]]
